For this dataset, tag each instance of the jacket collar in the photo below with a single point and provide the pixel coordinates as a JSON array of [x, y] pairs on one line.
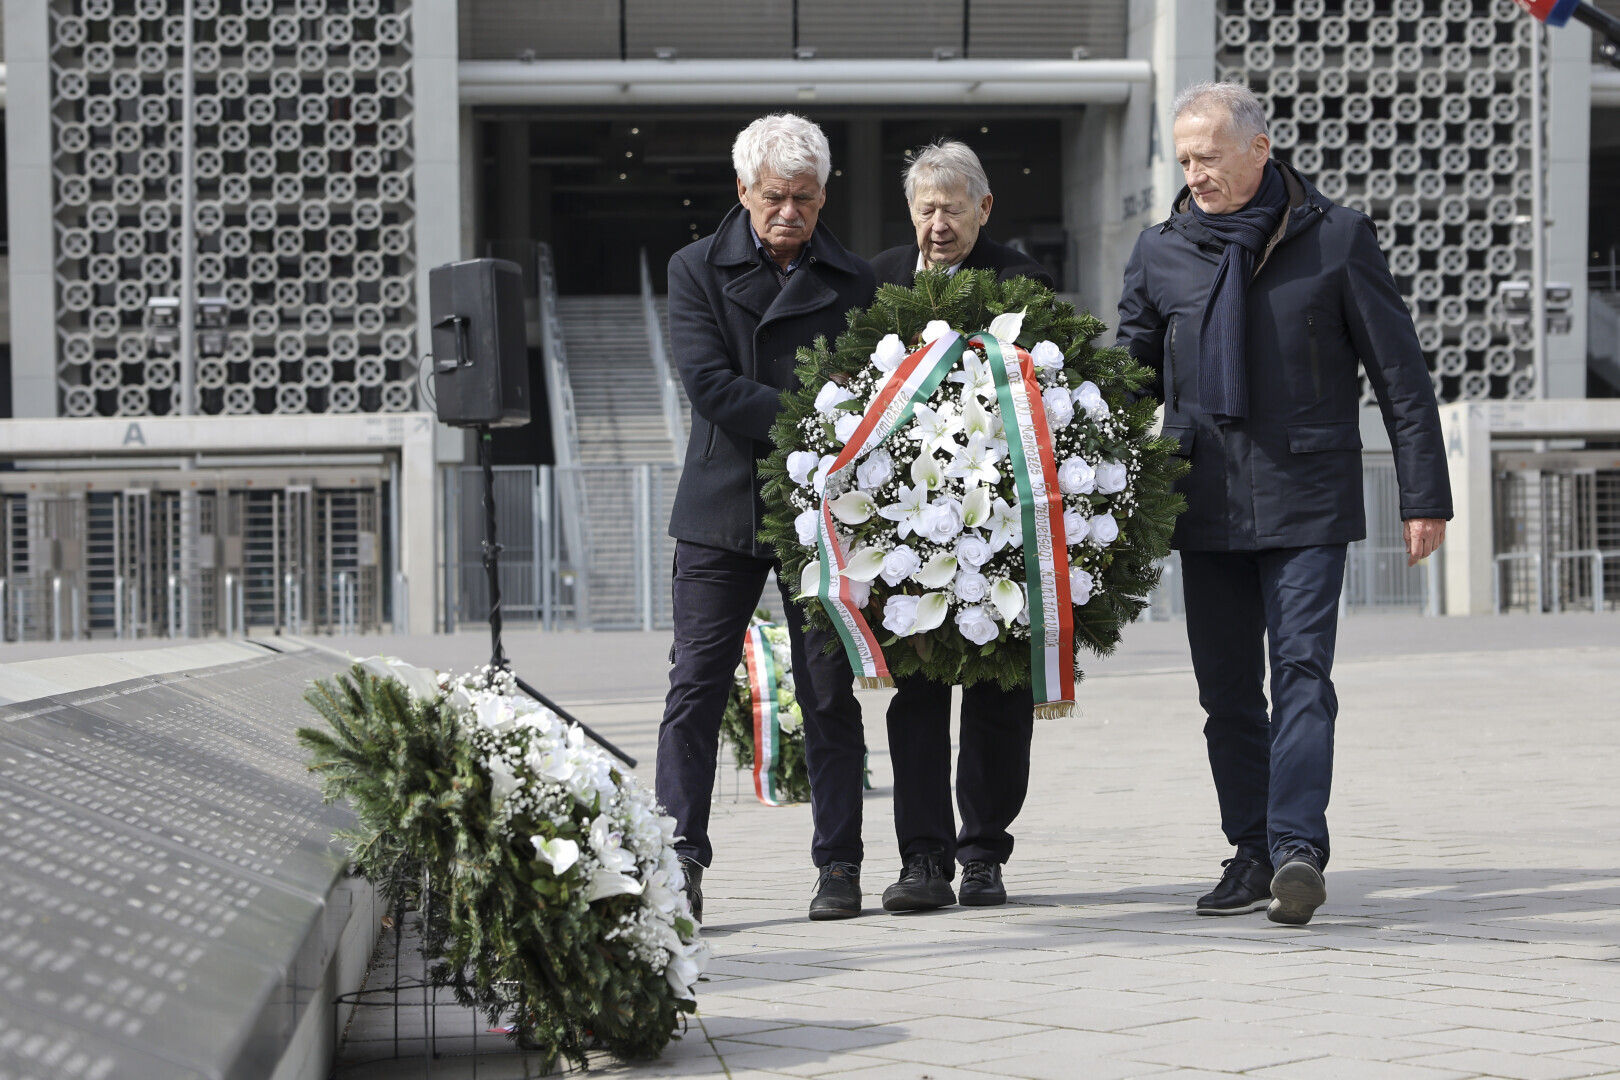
[[979, 257], [1306, 205], [757, 290], [733, 245]]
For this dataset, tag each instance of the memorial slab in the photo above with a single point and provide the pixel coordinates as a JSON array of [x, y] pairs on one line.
[[165, 866]]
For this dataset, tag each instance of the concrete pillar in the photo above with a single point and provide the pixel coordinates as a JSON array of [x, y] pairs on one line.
[[1107, 213], [1470, 546], [863, 186], [470, 157], [509, 218], [29, 207], [1569, 166], [439, 226], [1099, 240]]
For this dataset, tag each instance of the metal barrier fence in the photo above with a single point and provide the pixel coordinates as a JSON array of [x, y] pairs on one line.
[[619, 579], [616, 578], [1557, 531], [228, 553], [517, 501], [1376, 577]]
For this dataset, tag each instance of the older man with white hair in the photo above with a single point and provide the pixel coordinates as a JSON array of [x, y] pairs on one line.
[[949, 197], [741, 303], [950, 200]]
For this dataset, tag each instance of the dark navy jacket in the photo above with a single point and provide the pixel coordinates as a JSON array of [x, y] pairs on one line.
[[733, 332], [1321, 302]]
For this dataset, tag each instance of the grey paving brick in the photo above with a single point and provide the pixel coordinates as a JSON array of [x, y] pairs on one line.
[[1514, 1066]]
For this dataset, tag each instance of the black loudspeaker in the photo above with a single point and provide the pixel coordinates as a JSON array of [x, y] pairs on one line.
[[480, 356]]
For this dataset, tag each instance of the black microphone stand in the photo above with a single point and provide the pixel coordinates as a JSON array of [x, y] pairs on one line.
[[492, 562]]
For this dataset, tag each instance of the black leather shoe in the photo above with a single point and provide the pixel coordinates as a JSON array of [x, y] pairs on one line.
[[981, 884], [838, 892], [1245, 886], [1297, 889], [923, 884], [694, 885]]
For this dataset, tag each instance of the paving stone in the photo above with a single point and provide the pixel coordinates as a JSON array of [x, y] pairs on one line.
[[1514, 1066], [1472, 925]]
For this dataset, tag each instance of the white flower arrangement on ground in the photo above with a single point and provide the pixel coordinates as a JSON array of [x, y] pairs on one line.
[[554, 895], [547, 784]]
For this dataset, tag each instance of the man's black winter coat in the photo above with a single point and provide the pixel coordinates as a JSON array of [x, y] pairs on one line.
[[898, 265], [733, 330], [1321, 301]]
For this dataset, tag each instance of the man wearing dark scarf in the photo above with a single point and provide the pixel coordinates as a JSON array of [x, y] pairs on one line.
[[1223, 383], [1258, 301]]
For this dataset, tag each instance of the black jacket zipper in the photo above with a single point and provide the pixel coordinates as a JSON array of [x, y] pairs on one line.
[[1170, 367], [1315, 356]]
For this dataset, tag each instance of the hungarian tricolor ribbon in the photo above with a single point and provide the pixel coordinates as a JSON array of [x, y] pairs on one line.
[[1040, 503], [916, 379], [762, 685]]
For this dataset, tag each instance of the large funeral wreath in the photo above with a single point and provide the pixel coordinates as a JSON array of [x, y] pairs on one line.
[[549, 887], [968, 472]]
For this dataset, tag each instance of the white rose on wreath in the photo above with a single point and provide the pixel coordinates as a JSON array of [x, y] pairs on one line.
[[1076, 477], [1111, 477], [830, 397], [971, 586], [889, 352], [1076, 526], [875, 471], [1059, 409], [1088, 398], [977, 625], [900, 564]]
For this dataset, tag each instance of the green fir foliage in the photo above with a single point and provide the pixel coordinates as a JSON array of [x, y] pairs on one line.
[[507, 935], [968, 301]]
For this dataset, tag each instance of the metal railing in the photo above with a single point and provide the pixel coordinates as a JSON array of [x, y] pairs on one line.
[[1376, 577], [226, 559], [1557, 531], [667, 395], [567, 495], [1595, 580], [1501, 561]]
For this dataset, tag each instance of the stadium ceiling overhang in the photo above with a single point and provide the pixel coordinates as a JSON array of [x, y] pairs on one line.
[[788, 82]]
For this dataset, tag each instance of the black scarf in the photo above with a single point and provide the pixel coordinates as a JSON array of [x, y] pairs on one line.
[[1223, 384]]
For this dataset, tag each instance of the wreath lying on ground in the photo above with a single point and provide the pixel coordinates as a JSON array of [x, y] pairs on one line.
[[762, 723], [547, 880], [967, 471]]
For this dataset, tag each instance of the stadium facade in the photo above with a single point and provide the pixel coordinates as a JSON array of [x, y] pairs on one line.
[[298, 165]]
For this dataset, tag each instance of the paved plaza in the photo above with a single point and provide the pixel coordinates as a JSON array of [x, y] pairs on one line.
[[1472, 927]]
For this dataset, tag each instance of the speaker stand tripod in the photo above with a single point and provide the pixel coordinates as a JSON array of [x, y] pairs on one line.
[[492, 568]]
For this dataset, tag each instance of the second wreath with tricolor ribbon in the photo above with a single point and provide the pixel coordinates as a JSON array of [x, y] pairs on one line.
[[966, 488]]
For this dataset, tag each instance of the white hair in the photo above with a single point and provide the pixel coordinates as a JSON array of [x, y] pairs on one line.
[[1248, 116], [784, 145], [947, 165]]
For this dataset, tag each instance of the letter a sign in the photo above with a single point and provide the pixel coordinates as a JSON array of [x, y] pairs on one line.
[[133, 436]]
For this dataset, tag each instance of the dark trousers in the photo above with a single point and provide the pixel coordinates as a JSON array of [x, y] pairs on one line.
[[715, 594], [992, 768], [1273, 774]]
